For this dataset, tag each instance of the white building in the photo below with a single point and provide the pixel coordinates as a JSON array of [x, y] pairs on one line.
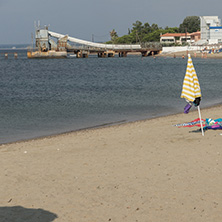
[[179, 38], [211, 29]]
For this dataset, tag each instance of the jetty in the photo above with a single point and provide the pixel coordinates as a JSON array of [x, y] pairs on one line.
[[49, 44]]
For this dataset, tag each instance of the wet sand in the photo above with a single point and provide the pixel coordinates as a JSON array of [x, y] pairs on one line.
[[142, 171]]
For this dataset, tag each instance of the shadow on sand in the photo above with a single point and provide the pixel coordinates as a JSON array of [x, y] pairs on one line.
[[21, 214]]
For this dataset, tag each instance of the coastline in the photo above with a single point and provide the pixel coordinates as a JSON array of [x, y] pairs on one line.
[[126, 172], [105, 125], [193, 53]]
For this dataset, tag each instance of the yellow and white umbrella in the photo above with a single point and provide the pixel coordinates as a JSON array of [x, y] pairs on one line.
[[191, 87]]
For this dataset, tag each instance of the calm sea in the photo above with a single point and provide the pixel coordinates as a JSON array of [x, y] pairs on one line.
[[45, 97]]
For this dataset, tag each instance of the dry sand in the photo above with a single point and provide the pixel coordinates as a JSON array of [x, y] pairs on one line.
[[141, 171]]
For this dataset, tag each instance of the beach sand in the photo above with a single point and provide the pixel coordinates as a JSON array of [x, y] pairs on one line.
[[194, 54], [142, 171]]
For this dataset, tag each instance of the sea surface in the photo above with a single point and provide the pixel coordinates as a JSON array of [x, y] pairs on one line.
[[41, 97]]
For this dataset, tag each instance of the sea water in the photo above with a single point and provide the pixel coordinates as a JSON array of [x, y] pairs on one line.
[[40, 97]]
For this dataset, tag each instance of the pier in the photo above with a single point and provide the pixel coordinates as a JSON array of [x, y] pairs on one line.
[[84, 51], [6, 54], [46, 47]]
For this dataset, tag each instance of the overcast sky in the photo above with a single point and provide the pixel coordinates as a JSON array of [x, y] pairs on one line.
[[84, 18]]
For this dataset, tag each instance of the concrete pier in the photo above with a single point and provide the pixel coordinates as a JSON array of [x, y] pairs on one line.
[[82, 54], [105, 54], [122, 54], [101, 54], [82, 48], [145, 53], [7, 54]]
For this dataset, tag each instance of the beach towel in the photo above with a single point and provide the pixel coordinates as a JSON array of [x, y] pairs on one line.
[[213, 124], [195, 122]]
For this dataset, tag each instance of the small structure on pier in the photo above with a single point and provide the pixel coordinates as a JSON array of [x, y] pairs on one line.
[[45, 47]]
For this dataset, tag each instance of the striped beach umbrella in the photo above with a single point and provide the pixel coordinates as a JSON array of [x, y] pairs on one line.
[[191, 87]]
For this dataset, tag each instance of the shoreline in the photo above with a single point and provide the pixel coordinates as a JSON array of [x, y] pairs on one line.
[[105, 125], [193, 54]]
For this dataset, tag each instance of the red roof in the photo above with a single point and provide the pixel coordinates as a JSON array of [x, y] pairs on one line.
[[180, 34], [195, 33], [175, 34]]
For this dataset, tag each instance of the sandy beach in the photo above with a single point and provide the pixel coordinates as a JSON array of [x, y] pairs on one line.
[[194, 54], [142, 171]]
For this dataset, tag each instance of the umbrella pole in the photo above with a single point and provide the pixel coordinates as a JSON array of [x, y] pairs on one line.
[[201, 124]]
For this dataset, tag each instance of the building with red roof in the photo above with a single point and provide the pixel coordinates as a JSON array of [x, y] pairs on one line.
[[179, 38]]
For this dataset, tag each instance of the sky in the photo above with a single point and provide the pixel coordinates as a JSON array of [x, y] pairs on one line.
[[87, 19]]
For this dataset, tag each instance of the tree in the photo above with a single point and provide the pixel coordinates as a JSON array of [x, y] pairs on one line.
[[126, 39], [171, 30], [154, 27], [153, 36], [113, 35], [141, 33], [137, 27], [146, 28], [136, 31], [190, 24]]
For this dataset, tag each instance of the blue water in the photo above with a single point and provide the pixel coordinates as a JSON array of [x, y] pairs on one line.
[[45, 97]]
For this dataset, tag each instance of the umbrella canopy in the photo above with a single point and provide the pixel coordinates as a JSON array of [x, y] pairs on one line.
[[191, 87]]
